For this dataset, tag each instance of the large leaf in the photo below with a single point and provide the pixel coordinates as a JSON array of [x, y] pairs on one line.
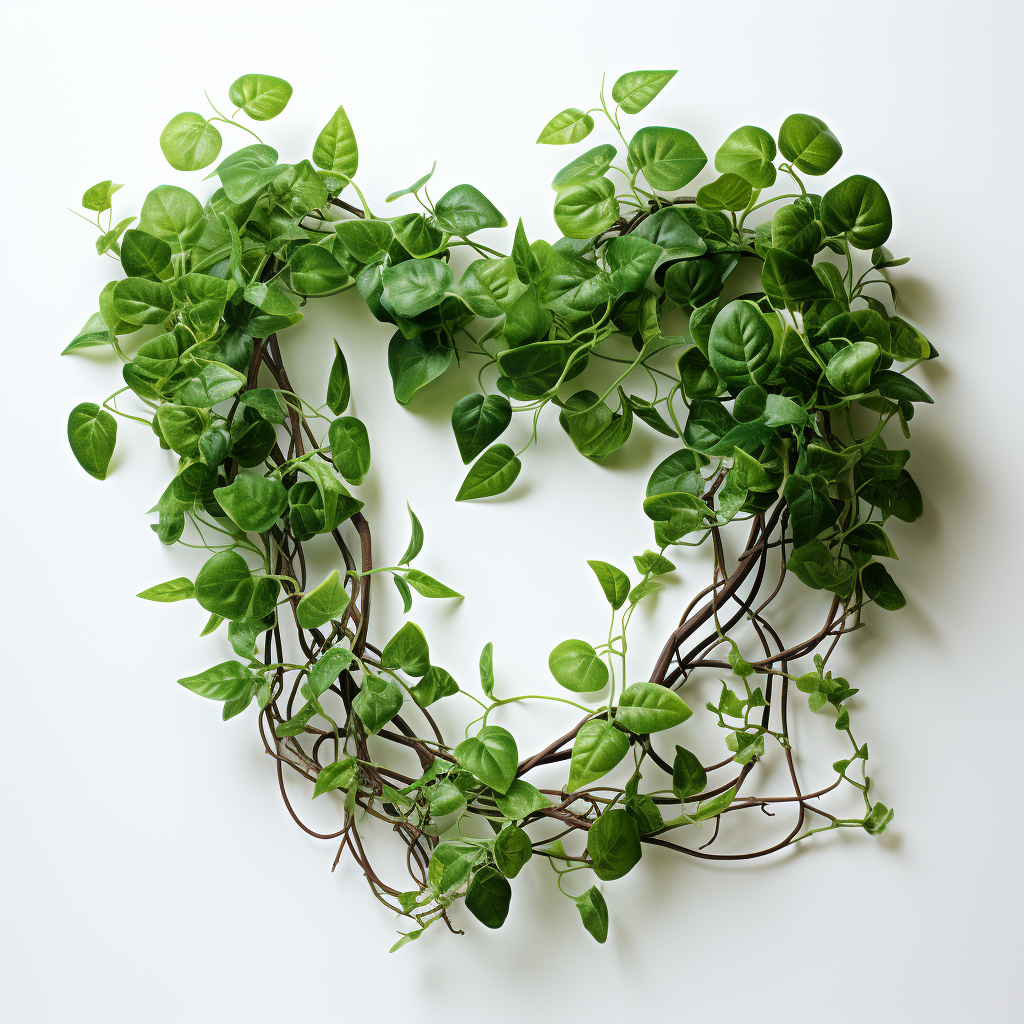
[[465, 209], [190, 142], [92, 433], [860, 206], [613, 843], [488, 897], [808, 143], [635, 89], [591, 164], [227, 681], [494, 472], [260, 96], [335, 149], [477, 420], [670, 230], [740, 345], [597, 749], [415, 362], [669, 158], [748, 152], [407, 650], [253, 502], [491, 755], [577, 667], [350, 448], [648, 707], [585, 208], [378, 701], [412, 287]]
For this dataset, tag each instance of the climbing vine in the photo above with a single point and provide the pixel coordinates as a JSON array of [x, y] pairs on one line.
[[779, 398]]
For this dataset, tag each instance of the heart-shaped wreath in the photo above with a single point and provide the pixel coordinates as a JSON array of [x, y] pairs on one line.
[[779, 397]]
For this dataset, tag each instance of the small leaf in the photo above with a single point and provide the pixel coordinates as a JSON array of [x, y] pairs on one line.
[[407, 650], [415, 541], [488, 897], [465, 209], [713, 807], [339, 387], [92, 433], [577, 667], [487, 670], [350, 448], [335, 149], [688, 775], [180, 589], [881, 587], [377, 702], [339, 775], [428, 586], [227, 681], [190, 142], [512, 849], [494, 472], [635, 89], [566, 127], [328, 667], [491, 755], [260, 96], [594, 912], [520, 800], [323, 603], [648, 707], [614, 582], [597, 749], [477, 420], [97, 198], [613, 843]]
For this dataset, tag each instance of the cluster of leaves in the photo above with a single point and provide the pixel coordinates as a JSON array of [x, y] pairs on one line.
[[779, 398]]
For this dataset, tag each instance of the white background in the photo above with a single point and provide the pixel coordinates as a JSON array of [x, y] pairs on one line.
[[150, 871]]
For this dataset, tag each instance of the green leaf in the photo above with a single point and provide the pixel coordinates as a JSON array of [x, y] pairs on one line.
[[180, 589], [670, 229], [585, 208], [315, 271], [143, 255], [415, 540], [669, 158], [494, 472], [567, 127], [415, 362], [740, 345], [870, 537], [428, 586], [857, 205], [688, 775], [403, 589], [477, 420], [328, 667], [377, 702], [487, 670], [521, 799], [488, 897], [713, 807], [465, 209], [227, 681], [335, 149], [139, 301], [748, 152], [226, 587], [92, 433], [810, 507], [260, 96], [190, 142], [407, 650], [728, 192], [849, 370], [215, 383], [512, 849], [614, 582], [661, 507], [613, 843], [648, 707], [807, 142], [339, 386], [635, 89], [591, 164], [594, 912], [415, 187], [323, 603], [174, 215], [339, 775], [491, 755], [650, 562], [350, 448], [367, 240], [899, 388], [248, 171], [412, 287], [97, 198], [437, 683], [813, 565], [265, 402], [577, 667], [881, 587], [597, 749], [94, 333], [254, 503]]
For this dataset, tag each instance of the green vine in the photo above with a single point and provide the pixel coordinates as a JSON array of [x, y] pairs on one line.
[[780, 398]]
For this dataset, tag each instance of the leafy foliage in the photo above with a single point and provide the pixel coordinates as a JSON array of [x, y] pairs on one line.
[[779, 400]]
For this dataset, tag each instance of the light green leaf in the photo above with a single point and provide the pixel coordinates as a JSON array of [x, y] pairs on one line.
[[190, 142], [635, 89], [260, 96], [577, 667], [180, 589], [412, 287], [335, 149], [367, 240], [428, 586], [377, 702], [591, 164], [97, 198], [324, 602], [567, 127], [748, 152], [614, 582], [494, 472], [648, 707], [227, 681], [520, 800], [597, 749], [339, 775], [728, 192], [713, 807], [669, 158], [407, 650], [328, 667], [585, 208]]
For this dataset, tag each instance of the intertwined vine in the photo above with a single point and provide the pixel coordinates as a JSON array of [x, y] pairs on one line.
[[779, 398]]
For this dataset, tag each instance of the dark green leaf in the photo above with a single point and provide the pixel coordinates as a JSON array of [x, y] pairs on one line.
[[494, 472], [491, 755], [92, 433], [407, 650], [881, 587], [613, 843], [857, 205], [688, 775], [477, 420], [808, 143], [594, 912], [350, 448], [377, 702], [512, 849], [488, 897]]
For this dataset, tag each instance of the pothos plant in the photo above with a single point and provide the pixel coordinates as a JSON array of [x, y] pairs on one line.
[[777, 396]]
